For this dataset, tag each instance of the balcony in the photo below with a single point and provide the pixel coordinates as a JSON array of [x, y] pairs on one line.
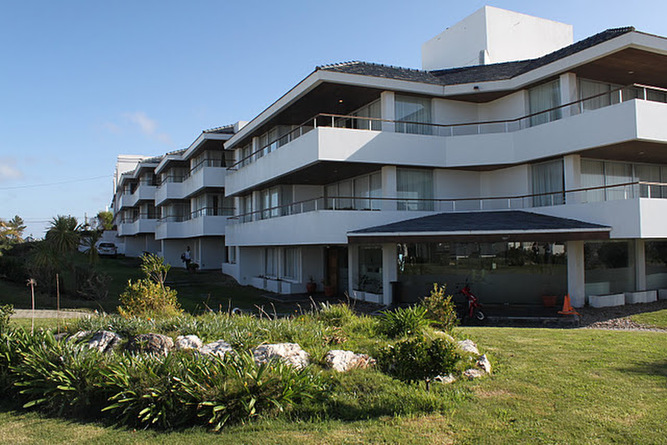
[[210, 173], [204, 222], [172, 188], [327, 220], [626, 114], [136, 226]]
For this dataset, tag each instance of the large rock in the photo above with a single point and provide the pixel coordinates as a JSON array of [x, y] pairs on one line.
[[78, 336], [484, 364], [468, 346], [188, 342], [103, 341], [445, 379], [151, 344], [473, 373], [289, 353], [219, 348], [343, 361]]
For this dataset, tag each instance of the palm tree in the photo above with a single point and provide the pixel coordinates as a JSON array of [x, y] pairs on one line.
[[63, 234], [90, 240]]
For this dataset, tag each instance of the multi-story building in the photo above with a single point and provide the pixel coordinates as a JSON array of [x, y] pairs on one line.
[[516, 159], [171, 202]]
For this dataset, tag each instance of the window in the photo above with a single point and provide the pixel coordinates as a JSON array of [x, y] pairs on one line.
[[544, 97], [362, 188], [416, 114], [290, 263], [600, 94], [271, 262], [415, 189], [231, 254], [548, 183], [372, 110]]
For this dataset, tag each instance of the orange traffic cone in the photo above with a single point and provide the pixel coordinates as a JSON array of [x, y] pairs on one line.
[[567, 307]]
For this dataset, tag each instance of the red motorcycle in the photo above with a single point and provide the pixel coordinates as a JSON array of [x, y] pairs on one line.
[[473, 310]]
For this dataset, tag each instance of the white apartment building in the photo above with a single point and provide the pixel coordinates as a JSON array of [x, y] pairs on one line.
[[515, 159], [165, 204]]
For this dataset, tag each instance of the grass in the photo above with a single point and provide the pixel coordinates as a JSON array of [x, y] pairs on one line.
[[196, 291], [549, 386], [657, 319], [43, 323]]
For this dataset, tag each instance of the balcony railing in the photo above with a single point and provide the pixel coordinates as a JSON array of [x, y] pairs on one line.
[[171, 178], [628, 190], [135, 218], [206, 211], [642, 92], [204, 163]]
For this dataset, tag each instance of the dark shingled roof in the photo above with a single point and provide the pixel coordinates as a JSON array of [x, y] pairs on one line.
[[225, 129], [479, 73], [472, 222]]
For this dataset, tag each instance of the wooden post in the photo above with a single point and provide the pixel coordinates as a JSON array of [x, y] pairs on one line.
[[58, 301]]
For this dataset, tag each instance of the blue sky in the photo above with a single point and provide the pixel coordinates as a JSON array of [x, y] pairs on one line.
[[84, 81]]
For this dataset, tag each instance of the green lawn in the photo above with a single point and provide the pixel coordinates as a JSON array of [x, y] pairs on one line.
[[549, 386], [657, 319], [196, 291]]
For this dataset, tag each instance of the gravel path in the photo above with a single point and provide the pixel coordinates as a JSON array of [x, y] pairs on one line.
[[618, 317]]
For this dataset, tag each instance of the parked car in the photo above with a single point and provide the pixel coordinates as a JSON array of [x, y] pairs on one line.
[[107, 249]]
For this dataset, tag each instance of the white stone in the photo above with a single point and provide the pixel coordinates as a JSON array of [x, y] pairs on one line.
[[472, 373], [188, 342], [484, 363], [103, 341], [468, 346], [290, 353], [606, 300], [444, 379], [219, 348], [343, 361]]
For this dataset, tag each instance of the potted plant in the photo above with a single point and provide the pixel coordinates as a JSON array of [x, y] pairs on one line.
[[311, 285], [329, 289]]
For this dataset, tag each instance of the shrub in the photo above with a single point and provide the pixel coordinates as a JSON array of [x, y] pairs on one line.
[[403, 321], [334, 314], [13, 269], [145, 298], [440, 308], [6, 312], [418, 359]]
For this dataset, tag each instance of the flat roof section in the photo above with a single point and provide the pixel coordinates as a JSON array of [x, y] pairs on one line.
[[511, 225]]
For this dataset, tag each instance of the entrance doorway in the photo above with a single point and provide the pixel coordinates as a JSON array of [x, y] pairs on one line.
[[337, 268]]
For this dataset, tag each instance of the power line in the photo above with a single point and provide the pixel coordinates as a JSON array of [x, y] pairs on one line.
[[54, 183]]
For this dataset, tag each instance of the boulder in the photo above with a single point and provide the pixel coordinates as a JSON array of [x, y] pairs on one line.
[[473, 373], [468, 346], [104, 341], [484, 364], [151, 344], [343, 361], [78, 336], [444, 379], [188, 342], [219, 348], [289, 353]]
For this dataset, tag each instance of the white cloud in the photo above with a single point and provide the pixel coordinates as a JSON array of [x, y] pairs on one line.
[[147, 126], [8, 170]]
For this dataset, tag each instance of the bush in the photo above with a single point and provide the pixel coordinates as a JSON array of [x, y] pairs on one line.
[[13, 269], [418, 359], [403, 321], [6, 313], [145, 298], [334, 314], [440, 308]]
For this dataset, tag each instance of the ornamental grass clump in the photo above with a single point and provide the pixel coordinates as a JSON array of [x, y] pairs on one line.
[[403, 322]]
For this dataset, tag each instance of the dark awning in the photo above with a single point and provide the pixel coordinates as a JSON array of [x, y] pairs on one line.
[[482, 226]]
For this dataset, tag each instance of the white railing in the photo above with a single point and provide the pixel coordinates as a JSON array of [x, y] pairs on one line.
[[628, 190], [642, 92]]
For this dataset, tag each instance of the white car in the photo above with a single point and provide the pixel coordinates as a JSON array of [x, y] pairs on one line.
[[107, 249]]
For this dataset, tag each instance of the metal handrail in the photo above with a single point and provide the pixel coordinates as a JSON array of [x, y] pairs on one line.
[[428, 204], [506, 122]]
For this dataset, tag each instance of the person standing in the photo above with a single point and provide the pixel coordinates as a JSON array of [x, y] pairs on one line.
[[187, 258]]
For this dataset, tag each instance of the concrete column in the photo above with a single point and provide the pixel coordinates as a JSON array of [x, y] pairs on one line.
[[389, 187], [575, 273], [256, 205], [255, 147], [640, 264], [388, 109], [353, 265], [389, 271], [569, 93], [572, 177]]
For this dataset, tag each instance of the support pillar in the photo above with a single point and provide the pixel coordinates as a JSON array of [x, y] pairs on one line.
[[572, 177], [389, 187], [576, 278], [569, 93], [388, 110], [353, 265], [389, 271], [640, 264]]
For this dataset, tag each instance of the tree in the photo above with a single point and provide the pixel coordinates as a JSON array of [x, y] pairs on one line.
[[63, 234], [104, 220], [11, 232], [90, 240]]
